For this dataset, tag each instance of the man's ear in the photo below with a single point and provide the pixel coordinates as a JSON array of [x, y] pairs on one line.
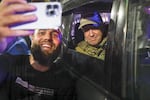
[[32, 35], [31, 38]]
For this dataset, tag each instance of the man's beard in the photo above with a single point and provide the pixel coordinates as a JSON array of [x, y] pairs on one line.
[[42, 58]]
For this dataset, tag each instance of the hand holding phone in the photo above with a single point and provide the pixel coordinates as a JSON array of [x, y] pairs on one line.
[[49, 15]]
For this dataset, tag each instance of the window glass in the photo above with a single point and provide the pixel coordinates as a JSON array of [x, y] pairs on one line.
[[142, 50]]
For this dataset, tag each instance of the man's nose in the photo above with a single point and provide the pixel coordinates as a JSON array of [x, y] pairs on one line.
[[48, 36], [91, 32]]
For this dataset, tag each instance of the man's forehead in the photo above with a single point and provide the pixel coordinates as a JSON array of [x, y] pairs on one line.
[[47, 30]]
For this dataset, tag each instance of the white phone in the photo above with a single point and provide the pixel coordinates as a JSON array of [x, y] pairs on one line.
[[49, 15]]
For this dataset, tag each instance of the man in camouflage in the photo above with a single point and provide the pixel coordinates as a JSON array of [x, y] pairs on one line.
[[94, 42]]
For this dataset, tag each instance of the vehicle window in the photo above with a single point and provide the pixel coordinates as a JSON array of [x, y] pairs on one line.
[[89, 70], [82, 65], [143, 52], [139, 41]]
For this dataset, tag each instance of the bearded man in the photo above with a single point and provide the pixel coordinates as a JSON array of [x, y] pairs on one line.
[[36, 76]]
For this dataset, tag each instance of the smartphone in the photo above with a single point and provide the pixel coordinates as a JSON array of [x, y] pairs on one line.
[[49, 15]]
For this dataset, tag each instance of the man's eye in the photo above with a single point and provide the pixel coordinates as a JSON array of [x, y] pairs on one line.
[[41, 33], [55, 34], [85, 29]]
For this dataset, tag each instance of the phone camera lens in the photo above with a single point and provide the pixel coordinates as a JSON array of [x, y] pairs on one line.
[[52, 12], [55, 6], [49, 10], [49, 6]]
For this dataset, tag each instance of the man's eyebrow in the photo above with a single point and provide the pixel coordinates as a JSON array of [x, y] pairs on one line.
[[42, 30], [51, 31], [55, 31]]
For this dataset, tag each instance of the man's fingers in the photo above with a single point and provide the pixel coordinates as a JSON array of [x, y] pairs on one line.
[[16, 8], [22, 32], [10, 20], [9, 15], [7, 2], [8, 32]]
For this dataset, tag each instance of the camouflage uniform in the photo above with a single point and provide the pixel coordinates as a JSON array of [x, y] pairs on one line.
[[97, 52]]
